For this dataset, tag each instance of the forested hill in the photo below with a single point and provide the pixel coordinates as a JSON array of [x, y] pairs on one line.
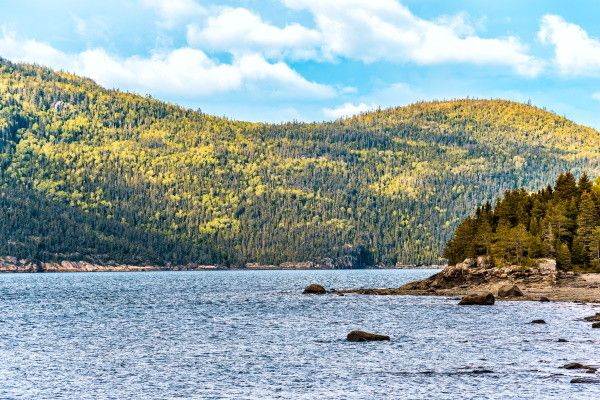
[[125, 178]]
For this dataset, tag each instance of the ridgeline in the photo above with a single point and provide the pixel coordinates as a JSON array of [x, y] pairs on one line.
[[105, 176]]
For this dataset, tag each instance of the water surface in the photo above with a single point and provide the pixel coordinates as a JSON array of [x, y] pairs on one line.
[[253, 335]]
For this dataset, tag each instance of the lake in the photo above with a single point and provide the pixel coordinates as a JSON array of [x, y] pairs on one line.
[[253, 335]]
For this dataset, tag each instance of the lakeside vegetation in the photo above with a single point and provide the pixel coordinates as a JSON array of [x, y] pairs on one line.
[[560, 222], [93, 174]]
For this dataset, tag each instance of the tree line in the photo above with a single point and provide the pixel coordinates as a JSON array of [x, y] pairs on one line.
[[560, 222]]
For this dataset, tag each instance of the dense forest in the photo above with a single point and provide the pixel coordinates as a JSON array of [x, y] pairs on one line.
[[96, 174], [562, 222]]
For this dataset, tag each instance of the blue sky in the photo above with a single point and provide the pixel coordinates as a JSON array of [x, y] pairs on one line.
[[275, 60]]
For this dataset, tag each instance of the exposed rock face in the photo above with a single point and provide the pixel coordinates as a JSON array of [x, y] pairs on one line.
[[484, 299], [509, 291], [314, 288], [362, 336]]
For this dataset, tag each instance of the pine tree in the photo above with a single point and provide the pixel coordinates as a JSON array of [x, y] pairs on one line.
[[563, 257], [587, 221]]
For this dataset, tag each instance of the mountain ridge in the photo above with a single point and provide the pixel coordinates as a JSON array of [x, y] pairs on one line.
[[392, 183]]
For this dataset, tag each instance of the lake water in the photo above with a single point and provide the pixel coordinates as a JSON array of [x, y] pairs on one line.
[[253, 335]]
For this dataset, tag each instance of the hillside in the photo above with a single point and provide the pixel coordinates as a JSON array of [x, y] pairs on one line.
[[394, 182]]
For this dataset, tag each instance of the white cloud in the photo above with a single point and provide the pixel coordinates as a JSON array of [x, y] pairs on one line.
[[238, 30], [596, 96], [387, 30], [348, 110], [183, 72], [173, 11], [575, 52]]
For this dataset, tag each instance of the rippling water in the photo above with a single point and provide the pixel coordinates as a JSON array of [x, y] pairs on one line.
[[251, 334]]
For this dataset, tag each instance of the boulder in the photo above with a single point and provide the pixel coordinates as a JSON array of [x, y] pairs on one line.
[[314, 288], [544, 299], [509, 291], [561, 340], [484, 299], [362, 336], [596, 325], [538, 321]]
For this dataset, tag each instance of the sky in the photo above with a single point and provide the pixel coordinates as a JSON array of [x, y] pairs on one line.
[[314, 60]]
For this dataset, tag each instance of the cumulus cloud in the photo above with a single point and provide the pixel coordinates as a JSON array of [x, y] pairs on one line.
[[575, 52], [171, 12], [387, 30], [238, 30], [348, 110], [183, 72]]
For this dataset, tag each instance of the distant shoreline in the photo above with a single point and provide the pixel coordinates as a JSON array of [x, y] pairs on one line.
[[13, 265]]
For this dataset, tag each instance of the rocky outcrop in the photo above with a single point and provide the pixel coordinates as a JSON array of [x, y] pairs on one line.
[[509, 291], [482, 299], [481, 271], [362, 336], [314, 288]]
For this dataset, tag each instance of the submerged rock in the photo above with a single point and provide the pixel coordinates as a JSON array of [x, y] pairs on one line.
[[362, 336], [314, 288], [593, 318], [484, 299], [561, 340], [509, 291], [585, 380], [576, 365]]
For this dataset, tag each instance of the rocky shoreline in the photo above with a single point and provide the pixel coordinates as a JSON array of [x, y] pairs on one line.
[[14, 265], [543, 282]]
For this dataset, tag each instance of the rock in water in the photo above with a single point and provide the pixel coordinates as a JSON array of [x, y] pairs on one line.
[[313, 288], [593, 318], [596, 325], [361, 336], [585, 380], [509, 291], [485, 299], [538, 321], [576, 365]]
